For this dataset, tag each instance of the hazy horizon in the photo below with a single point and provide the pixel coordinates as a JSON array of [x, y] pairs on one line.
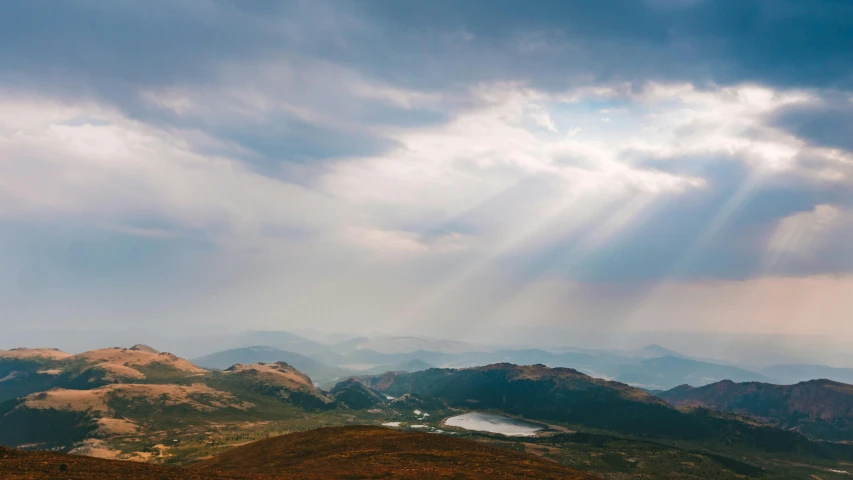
[[554, 174], [751, 351]]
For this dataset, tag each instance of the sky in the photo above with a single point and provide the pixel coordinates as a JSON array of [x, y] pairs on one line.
[[459, 169]]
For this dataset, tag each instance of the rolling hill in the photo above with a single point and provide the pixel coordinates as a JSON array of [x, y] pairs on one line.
[[318, 371], [535, 391], [278, 380], [34, 353], [819, 408], [141, 404], [26, 371], [59, 417], [326, 453], [57, 401], [375, 452], [29, 465]]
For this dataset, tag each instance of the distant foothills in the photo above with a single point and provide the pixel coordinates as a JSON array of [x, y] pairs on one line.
[[645, 413], [652, 367]]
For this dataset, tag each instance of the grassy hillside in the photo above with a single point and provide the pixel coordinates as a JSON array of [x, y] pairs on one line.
[[114, 393], [570, 398], [374, 452], [271, 383], [168, 410], [26, 371], [21, 465], [329, 453], [355, 395], [819, 408]]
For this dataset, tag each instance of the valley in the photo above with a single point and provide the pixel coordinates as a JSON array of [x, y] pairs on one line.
[[139, 404]]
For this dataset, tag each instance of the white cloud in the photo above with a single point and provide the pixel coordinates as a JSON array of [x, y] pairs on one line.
[[440, 215], [97, 164], [683, 120], [442, 172]]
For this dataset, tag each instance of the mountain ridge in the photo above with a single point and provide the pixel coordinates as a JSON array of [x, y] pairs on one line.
[[821, 408]]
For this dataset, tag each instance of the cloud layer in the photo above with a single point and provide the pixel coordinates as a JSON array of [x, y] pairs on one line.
[[426, 166]]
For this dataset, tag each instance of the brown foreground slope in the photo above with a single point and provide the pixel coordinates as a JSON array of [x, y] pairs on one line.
[[326, 453], [38, 465], [376, 452]]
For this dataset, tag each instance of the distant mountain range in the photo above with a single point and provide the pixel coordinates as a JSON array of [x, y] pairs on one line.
[[664, 372], [317, 370], [320, 373], [646, 371], [338, 359], [795, 373], [654, 367]]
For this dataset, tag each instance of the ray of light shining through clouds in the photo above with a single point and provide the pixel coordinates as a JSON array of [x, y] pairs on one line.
[[599, 174]]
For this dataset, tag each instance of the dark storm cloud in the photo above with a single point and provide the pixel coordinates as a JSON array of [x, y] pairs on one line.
[[829, 124], [779, 42], [140, 43], [438, 43], [110, 51]]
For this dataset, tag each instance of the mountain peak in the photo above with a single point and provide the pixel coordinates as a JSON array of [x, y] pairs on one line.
[[143, 348], [125, 362], [49, 353], [533, 371], [280, 373]]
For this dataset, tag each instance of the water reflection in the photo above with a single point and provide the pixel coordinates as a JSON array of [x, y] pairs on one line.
[[492, 423]]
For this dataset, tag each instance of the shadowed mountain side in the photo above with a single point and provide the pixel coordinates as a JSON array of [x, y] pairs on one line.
[[60, 417], [277, 380], [375, 452], [356, 395], [568, 397], [557, 394], [25, 371], [820, 408]]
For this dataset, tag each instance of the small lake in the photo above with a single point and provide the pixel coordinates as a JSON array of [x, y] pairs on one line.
[[489, 422]]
